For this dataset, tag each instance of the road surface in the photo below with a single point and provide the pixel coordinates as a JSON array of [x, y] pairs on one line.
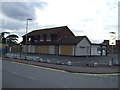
[[0, 73], [17, 75]]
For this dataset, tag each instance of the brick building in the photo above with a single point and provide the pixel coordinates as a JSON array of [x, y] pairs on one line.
[[116, 48], [59, 41]]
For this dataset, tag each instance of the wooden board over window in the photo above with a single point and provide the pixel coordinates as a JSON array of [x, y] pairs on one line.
[[66, 50], [43, 49]]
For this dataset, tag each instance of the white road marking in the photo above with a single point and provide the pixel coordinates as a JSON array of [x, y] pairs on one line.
[[110, 81], [24, 75], [65, 87], [31, 77], [109, 77]]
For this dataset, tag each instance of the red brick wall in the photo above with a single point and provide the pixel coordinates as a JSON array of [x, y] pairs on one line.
[[53, 37], [63, 33]]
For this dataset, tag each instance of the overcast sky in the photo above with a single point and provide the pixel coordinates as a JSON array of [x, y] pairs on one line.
[[93, 18]]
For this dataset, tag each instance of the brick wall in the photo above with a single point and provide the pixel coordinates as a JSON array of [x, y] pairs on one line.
[[63, 33]]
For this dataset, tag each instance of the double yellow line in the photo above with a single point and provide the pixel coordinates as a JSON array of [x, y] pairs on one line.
[[97, 74]]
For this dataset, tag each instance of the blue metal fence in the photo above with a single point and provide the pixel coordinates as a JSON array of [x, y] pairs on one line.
[[4, 51]]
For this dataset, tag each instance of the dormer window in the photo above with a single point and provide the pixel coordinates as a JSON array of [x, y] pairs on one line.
[[41, 38], [48, 37]]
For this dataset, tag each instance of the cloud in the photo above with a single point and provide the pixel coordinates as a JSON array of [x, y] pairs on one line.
[[93, 18], [14, 15], [11, 24], [111, 27], [20, 10]]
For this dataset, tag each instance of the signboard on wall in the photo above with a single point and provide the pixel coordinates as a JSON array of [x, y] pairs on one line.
[[94, 51]]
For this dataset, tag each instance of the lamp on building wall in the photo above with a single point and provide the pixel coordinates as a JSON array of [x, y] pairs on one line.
[[26, 36]]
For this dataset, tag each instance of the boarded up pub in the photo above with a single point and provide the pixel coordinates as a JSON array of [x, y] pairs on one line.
[[60, 41]]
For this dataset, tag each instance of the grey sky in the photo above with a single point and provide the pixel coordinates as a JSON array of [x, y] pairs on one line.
[[14, 15], [93, 18], [21, 10]]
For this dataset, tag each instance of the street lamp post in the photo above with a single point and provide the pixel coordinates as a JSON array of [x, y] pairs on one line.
[[112, 42], [26, 36]]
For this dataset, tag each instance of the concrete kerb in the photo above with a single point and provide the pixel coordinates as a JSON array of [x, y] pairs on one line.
[[68, 69]]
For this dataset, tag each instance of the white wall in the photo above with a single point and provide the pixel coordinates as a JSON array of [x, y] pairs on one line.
[[31, 48], [51, 49], [23, 48], [82, 51]]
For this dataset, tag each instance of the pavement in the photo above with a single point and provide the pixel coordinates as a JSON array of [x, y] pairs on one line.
[[70, 69], [76, 61]]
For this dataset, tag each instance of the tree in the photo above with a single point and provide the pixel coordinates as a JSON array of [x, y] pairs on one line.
[[2, 37], [12, 39]]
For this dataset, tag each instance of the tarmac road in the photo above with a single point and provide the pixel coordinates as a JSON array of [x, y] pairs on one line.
[[0, 73], [17, 75]]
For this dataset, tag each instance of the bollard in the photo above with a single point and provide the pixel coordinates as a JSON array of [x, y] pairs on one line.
[[69, 63], [58, 62], [95, 64], [48, 61], [110, 63], [34, 59], [41, 60], [116, 62]]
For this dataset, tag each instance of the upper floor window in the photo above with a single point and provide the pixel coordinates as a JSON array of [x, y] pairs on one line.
[[41, 38], [35, 39], [48, 37]]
